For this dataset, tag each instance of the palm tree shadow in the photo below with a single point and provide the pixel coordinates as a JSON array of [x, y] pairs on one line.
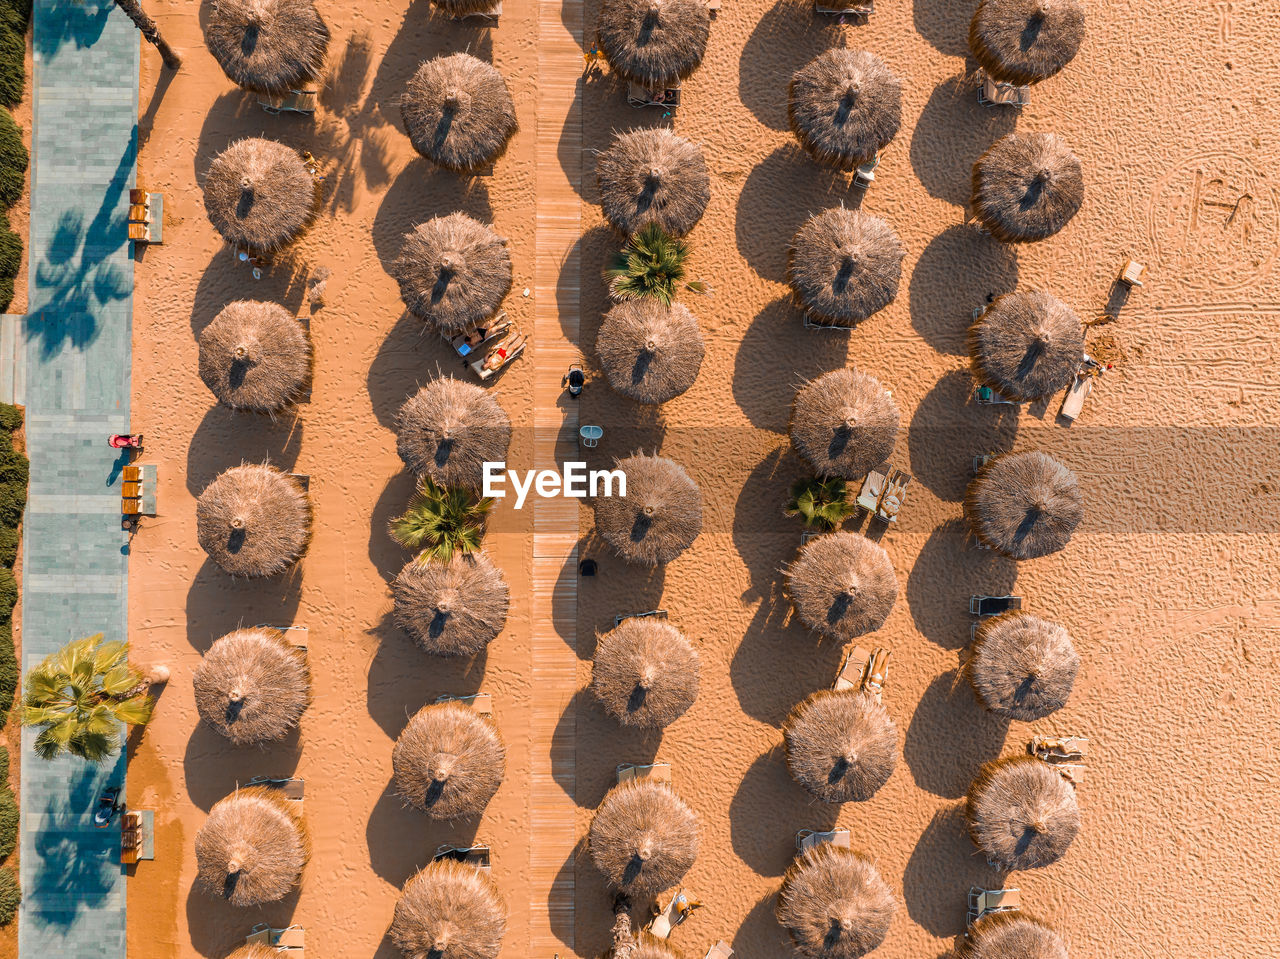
[[68, 21]]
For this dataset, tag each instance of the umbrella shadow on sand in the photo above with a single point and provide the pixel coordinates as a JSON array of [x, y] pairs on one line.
[[593, 731], [388, 556], [948, 430], [402, 839], [950, 736], [947, 572], [954, 129], [216, 927], [767, 811], [227, 438], [760, 933], [218, 603], [212, 765], [943, 864], [959, 270]]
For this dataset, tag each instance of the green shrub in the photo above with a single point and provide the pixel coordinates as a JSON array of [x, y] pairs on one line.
[[10, 896], [8, 546], [8, 674], [15, 14], [14, 468], [8, 593], [13, 500], [10, 253], [10, 418], [8, 822], [13, 156], [4, 765], [6, 292], [13, 75]]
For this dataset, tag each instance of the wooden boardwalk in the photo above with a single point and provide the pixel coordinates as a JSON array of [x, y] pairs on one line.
[[555, 536]]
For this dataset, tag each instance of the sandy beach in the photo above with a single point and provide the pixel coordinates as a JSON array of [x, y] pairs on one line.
[[1170, 587]]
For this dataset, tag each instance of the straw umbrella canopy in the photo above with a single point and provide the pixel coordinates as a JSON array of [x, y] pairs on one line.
[[834, 903], [255, 950], [453, 608], [841, 746], [255, 356], [1026, 346], [259, 194], [449, 910], [449, 429], [448, 761], [645, 673], [1022, 813], [1022, 666], [657, 518], [453, 272], [1011, 935], [643, 838], [268, 46], [651, 352], [253, 521], [252, 686], [845, 265], [1027, 187], [844, 107], [252, 848], [653, 176], [648, 946], [842, 585], [653, 42], [1024, 505], [1025, 41], [844, 423], [458, 112]]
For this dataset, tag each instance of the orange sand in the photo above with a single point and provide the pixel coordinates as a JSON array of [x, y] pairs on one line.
[[1172, 593]]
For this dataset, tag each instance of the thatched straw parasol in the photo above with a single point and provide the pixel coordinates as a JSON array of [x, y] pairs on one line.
[[1024, 505], [450, 910], [448, 761], [458, 112], [845, 265], [643, 838], [451, 609], [842, 585], [268, 46], [1022, 813], [255, 950], [255, 356], [653, 42], [650, 352], [1026, 346], [259, 194], [651, 947], [660, 515], [1027, 187], [645, 673], [253, 521], [1022, 666], [844, 423], [653, 176], [1011, 935], [1025, 41], [841, 746], [252, 848], [252, 686], [453, 271], [844, 107], [449, 429], [834, 903]]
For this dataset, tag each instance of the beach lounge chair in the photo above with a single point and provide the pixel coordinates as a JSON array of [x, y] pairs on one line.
[[713, 7], [983, 902], [877, 672], [895, 493], [1071, 772], [488, 17], [293, 788], [655, 613], [981, 460], [1131, 273], [478, 856], [481, 703], [720, 950], [872, 488], [291, 939], [865, 174], [478, 366], [295, 101], [589, 436], [986, 396], [1073, 402], [992, 94], [668, 915], [858, 11], [146, 217], [854, 668], [639, 97], [658, 772], [816, 324], [466, 342], [993, 605], [808, 838], [130, 837], [1059, 749]]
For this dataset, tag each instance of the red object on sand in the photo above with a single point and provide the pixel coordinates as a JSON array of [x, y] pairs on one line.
[[125, 441]]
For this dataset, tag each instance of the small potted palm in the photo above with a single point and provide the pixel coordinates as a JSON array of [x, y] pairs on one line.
[[441, 522], [822, 503], [652, 264]]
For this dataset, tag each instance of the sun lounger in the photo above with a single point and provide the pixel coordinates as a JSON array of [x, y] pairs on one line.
[[295, 101], [992, 94], [1131, 273], [481, 703], [813, 324], [1071, 772], [465, 343], [666, 916], [872, 488], [489, 16], [720, 950], [484, 374], [1061, 749], [862, 10], [993, 605], [865, 174], [853, 670], [1073, 402], [895, 493], [981, 460], [478, 856], [982, 902], [292, 788], [877, 672], [130, 837], [986, 396], [640, 97], [655, 613], [713, 7], [808, 838], [291, 939], [146, 217], [658, 772]]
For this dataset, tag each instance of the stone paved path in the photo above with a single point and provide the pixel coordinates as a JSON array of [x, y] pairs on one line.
[[73, 357]]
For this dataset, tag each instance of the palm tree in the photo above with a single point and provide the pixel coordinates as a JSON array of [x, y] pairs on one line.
[[651, 264], [440, 521], [81, 695], [822, 502], [147, 27]]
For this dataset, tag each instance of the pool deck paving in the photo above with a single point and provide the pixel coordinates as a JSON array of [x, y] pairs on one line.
[[68, 361]]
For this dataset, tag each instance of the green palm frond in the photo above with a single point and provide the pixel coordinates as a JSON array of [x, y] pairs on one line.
[[822, 503], [441, 521], [650, 265]]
